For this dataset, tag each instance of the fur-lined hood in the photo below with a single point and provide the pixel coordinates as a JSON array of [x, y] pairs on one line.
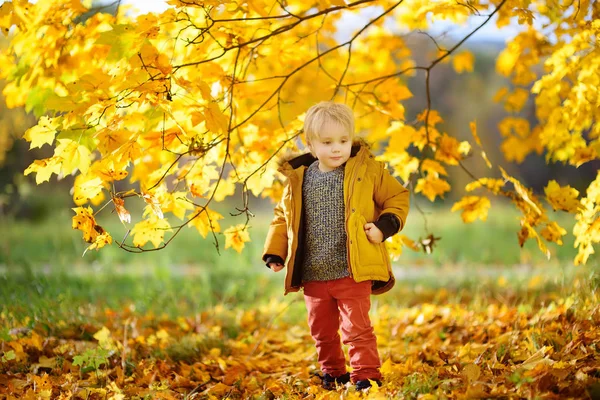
[[295, 159]]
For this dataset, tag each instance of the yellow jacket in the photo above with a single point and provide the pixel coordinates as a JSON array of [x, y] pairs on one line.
[[369, 191]]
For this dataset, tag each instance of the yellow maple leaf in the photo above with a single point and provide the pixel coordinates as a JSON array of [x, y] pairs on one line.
[[216, 121], [73, 155], [152, 230], [88, 187], [236, 237], [553, 232], [85, 221], [206, 220], [450, 150], [463, 62], [506, 61], [104, 338], [44, 169], [226, 188], [473, 207], [175, 203], [110, 170], [583, 155], [515, 149], [99, 242], [494, 185], [401, 136], [396, 243], [524, 193], [432, 186], [563, 198], [432, 166], [434, 117], [517, 126], [259, 6], [43, 132], [516, 100], [527, 231]]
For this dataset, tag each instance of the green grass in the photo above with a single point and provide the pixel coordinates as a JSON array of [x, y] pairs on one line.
[[491, 242], [53, 242], [55, 294], [494, 242], [44, 277]]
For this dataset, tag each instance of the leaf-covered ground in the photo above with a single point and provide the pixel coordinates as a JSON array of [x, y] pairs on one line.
[[440, 343]]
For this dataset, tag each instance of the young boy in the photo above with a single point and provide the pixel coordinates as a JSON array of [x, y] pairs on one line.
[[337, 208]]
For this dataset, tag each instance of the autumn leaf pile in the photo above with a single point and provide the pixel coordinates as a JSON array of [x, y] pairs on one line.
[[494, 347]]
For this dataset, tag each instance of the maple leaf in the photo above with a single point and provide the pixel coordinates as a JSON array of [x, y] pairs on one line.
[[152, 230], [206, 220], [494, 185], [216, 121], [88, 187], [473, 207], [42, 133], [84, 221], [432, 186], [463, 62], [562, 198], [433, 167], [236, 237], [553, 232], [73, 156], [44, 169], [101, 240], [450, 150]]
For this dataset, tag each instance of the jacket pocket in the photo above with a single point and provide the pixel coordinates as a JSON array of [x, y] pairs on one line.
[[371, 256]]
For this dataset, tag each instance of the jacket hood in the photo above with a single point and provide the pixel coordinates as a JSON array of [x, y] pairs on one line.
[[296, 160]]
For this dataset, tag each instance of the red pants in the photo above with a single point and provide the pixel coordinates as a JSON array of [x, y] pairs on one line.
[[345, 303]]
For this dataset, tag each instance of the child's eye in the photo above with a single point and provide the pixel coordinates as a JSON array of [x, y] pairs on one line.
[[328, 142]]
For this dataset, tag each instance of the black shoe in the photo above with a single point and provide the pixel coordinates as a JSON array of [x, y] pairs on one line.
[[329, 382], [365, 384]]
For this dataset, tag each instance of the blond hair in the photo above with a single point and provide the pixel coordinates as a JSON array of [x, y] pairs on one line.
[[325, 111]]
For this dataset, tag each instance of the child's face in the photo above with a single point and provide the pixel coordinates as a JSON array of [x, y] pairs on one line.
[[332, 147]]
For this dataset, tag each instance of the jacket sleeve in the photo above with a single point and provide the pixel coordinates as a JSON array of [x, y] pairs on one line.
[[391, 197], [270, 258], [388, 224], [276, 243]]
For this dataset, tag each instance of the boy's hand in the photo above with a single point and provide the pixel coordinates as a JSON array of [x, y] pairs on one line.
[[276, 266], [373, 233]]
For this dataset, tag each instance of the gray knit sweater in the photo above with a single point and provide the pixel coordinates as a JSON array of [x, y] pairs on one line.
[[325, 224]]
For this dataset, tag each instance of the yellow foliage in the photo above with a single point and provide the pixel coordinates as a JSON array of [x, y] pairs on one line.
[[432, 186], [562, 198], [206, 220], [236, 237], [473, 207], [463, 62], [201, 98], [42, 133], [151, 230]]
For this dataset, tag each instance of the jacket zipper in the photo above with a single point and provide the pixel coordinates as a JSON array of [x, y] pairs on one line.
[[350, 192], [292, 256]]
